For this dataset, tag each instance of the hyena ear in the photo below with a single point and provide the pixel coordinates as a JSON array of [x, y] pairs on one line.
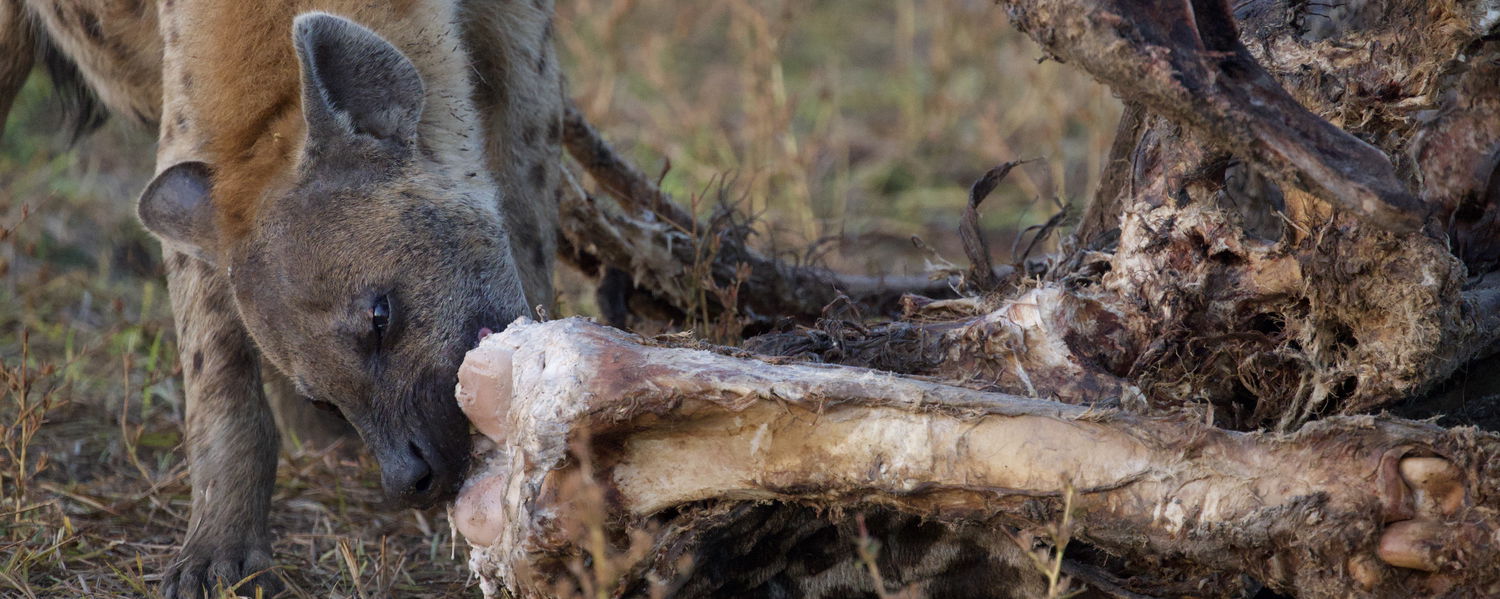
[[355, 84], [176, 207]]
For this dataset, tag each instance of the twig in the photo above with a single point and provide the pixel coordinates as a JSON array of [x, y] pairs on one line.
[[798, 292], [976, 247]]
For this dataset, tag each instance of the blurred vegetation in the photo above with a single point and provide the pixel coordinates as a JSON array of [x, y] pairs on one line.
[[861, 121]]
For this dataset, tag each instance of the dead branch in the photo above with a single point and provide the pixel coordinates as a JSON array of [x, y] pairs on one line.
[[981, 273], [1101, 214], [1345, 507], [1076, 346], [1185, 60], [621, 179], [659, 242], [1210, 282]]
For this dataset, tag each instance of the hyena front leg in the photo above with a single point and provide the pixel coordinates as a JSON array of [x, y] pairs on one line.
[[518, 88], [17, 52], [231, 439]]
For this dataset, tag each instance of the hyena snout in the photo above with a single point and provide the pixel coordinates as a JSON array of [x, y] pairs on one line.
[[423, 460], [419, 476], [413, 424]]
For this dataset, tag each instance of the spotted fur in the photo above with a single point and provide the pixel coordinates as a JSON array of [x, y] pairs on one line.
[[790, 551], [289, 196]]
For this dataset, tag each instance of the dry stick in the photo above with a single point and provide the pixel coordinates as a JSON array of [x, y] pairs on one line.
[[1102, 212], [981, 273], [656, 255], [621, 179], [777, 289], [1184, 60], [965, 347], [1301, 512]]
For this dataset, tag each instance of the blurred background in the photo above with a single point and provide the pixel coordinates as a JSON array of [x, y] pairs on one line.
[[849, 125]]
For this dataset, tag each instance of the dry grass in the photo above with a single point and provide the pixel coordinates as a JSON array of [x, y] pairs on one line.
[[857, 122], [845, 125]]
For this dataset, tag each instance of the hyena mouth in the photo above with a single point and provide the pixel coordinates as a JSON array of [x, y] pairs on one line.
[[484, 323], [484, 332]]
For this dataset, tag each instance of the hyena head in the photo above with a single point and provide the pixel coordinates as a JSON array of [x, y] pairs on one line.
[[368, 271]]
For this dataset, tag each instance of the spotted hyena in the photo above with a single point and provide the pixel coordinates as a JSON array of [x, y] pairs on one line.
[[347, 192]]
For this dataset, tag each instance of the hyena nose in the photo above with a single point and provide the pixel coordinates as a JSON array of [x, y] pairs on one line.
[[413, 478]]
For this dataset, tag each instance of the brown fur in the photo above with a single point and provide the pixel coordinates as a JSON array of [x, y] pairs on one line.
[[301, 241], [17, 53], [515, 97], [114, 44]]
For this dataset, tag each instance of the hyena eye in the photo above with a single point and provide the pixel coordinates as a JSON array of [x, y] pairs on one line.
[[380, 315], [325, 406]]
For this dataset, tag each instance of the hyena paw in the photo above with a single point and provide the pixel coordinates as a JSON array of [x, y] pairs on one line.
[[211, 570]]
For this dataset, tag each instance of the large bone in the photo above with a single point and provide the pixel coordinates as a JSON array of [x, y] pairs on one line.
[[1307, 511]]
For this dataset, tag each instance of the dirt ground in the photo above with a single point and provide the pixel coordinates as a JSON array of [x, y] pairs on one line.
[[843, 126]]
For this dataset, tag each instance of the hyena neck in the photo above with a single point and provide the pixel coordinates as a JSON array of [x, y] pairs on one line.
[[232, 95]]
